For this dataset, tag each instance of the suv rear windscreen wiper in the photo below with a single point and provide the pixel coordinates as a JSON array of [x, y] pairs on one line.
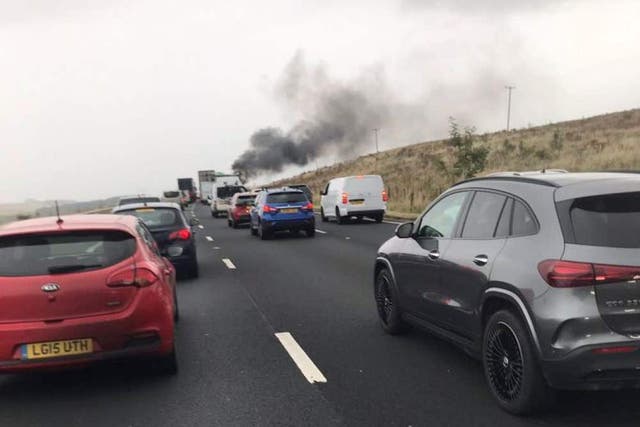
[[59, 269]]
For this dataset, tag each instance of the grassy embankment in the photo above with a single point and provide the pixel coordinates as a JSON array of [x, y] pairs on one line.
[[415, 174]]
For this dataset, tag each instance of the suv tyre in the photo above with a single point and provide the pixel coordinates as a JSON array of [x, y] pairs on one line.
[[387, 304], [511, 366]]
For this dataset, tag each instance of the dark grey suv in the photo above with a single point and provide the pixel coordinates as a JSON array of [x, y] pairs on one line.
[[537, 275]]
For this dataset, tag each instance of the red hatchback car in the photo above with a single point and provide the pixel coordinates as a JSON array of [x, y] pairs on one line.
[[83, 289]]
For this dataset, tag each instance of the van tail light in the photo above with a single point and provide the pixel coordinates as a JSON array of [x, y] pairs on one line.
[[183, 234], [385, 196], [308, 207], [569, 274], [269, 209], [139, 277], [345, 198]]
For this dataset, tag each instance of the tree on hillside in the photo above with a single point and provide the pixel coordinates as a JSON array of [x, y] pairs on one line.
[[469, 157]]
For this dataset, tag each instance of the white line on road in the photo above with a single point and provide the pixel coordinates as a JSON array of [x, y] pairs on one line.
[[201, 227], [209, 238], [393, 222], [305, 364], [216, 247], [228, 263], [347, 238], [320, 231]]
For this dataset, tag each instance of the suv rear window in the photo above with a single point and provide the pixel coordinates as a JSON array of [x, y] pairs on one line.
[[286, 197], [60, 253], [609, 220], [155, 217]]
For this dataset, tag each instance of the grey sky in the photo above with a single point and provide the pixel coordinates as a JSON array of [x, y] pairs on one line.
[[106, 98]]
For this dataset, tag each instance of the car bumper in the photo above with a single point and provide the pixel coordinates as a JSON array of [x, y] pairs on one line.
[[145, 328], [242, 219], [290, 224], [583, 369], [353, 211]]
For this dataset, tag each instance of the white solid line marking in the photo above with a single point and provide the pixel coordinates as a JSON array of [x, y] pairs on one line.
[[201, 227], [305, 364], [216, 247], [209, 238], [347, 238], [393, 222], [228, 263], [320, 231]]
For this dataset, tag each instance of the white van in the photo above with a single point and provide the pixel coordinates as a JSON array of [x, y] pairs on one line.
[[351, 196]]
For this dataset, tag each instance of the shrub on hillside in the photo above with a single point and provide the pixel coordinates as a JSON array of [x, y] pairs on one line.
[[469, 158]]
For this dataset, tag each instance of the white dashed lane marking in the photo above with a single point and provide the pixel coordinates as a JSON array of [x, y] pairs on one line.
[[228, 263], [201, 227], [304, 363], [320, 231], [209, 238]]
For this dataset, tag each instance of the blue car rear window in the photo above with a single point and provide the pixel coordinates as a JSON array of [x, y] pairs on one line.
[[291, 197]]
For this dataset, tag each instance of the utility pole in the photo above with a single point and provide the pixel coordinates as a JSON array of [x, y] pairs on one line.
[[375, 131], [509, 88]]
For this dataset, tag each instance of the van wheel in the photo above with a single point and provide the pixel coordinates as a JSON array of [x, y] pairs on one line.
[[511, 367], [387, 304], [322, 216], [339, 219], [379, 218]]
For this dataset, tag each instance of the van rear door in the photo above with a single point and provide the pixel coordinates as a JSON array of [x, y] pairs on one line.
[[364, 192]]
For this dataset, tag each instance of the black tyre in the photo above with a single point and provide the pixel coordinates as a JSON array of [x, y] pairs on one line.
[[379, 218], [176, 308], [387, 304], [511, 366], [322, 216], [167, 365], [310, 232], [254, 232], [234, 224], [193, 271], [339, 219], [264, 234], [213, 214], [229, 223]]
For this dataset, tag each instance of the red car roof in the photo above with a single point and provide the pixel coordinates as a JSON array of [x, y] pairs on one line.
[[71, 222]]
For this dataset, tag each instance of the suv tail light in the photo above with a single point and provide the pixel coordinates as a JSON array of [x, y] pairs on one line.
[[139, 277], [345, 198], [308, 207], [269, 209], [183, 234], [570, 274], [385, 196]]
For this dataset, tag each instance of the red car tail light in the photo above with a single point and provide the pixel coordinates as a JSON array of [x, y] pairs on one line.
[[345, 198], [570, 274], [184, 234], [269, 209], [308, 207], [139, 277], [385, 196], [566, 274]]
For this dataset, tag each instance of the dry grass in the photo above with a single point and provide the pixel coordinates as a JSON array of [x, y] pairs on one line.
[[415, 174]]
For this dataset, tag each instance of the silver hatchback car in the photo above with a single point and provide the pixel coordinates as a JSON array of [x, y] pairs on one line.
[[536, 275]]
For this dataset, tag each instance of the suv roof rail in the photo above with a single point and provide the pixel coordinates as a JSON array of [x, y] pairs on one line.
[[514, 178], [528, 173]]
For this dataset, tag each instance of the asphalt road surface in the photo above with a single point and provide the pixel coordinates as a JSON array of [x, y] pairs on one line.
[[234, 370]]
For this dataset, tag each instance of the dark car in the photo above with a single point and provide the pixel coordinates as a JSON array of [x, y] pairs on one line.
[[171, 231], [537, 275], [284, 209], [305, 189]]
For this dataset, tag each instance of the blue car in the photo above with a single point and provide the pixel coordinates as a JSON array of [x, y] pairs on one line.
[[282, 209]]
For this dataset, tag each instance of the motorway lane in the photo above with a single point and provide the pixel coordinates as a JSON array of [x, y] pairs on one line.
[[320, 290]]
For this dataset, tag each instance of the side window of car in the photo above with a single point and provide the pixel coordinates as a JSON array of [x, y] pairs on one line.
[[441, 219], [523, 222], [504, 224], [326, 189], [483, 215]]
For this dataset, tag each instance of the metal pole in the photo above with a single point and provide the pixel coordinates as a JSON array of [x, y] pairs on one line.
[[509, 88], [375, 131]]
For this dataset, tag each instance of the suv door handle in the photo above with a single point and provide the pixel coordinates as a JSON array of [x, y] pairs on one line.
[[481, 260], [434, 254]]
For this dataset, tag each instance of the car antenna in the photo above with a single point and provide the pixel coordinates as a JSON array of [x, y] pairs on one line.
[[60, 220]]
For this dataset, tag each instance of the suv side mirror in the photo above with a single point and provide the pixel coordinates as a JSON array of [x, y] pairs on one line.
[[405, 230]]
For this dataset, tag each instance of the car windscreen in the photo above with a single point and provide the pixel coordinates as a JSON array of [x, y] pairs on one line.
[[246, 200], [133, 200], [61, 253], [229, 190], [286, 197], [171, 194], [156, 218], [611, 220]]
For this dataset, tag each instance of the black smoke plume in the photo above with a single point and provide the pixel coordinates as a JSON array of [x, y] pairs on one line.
[[334, 117]]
